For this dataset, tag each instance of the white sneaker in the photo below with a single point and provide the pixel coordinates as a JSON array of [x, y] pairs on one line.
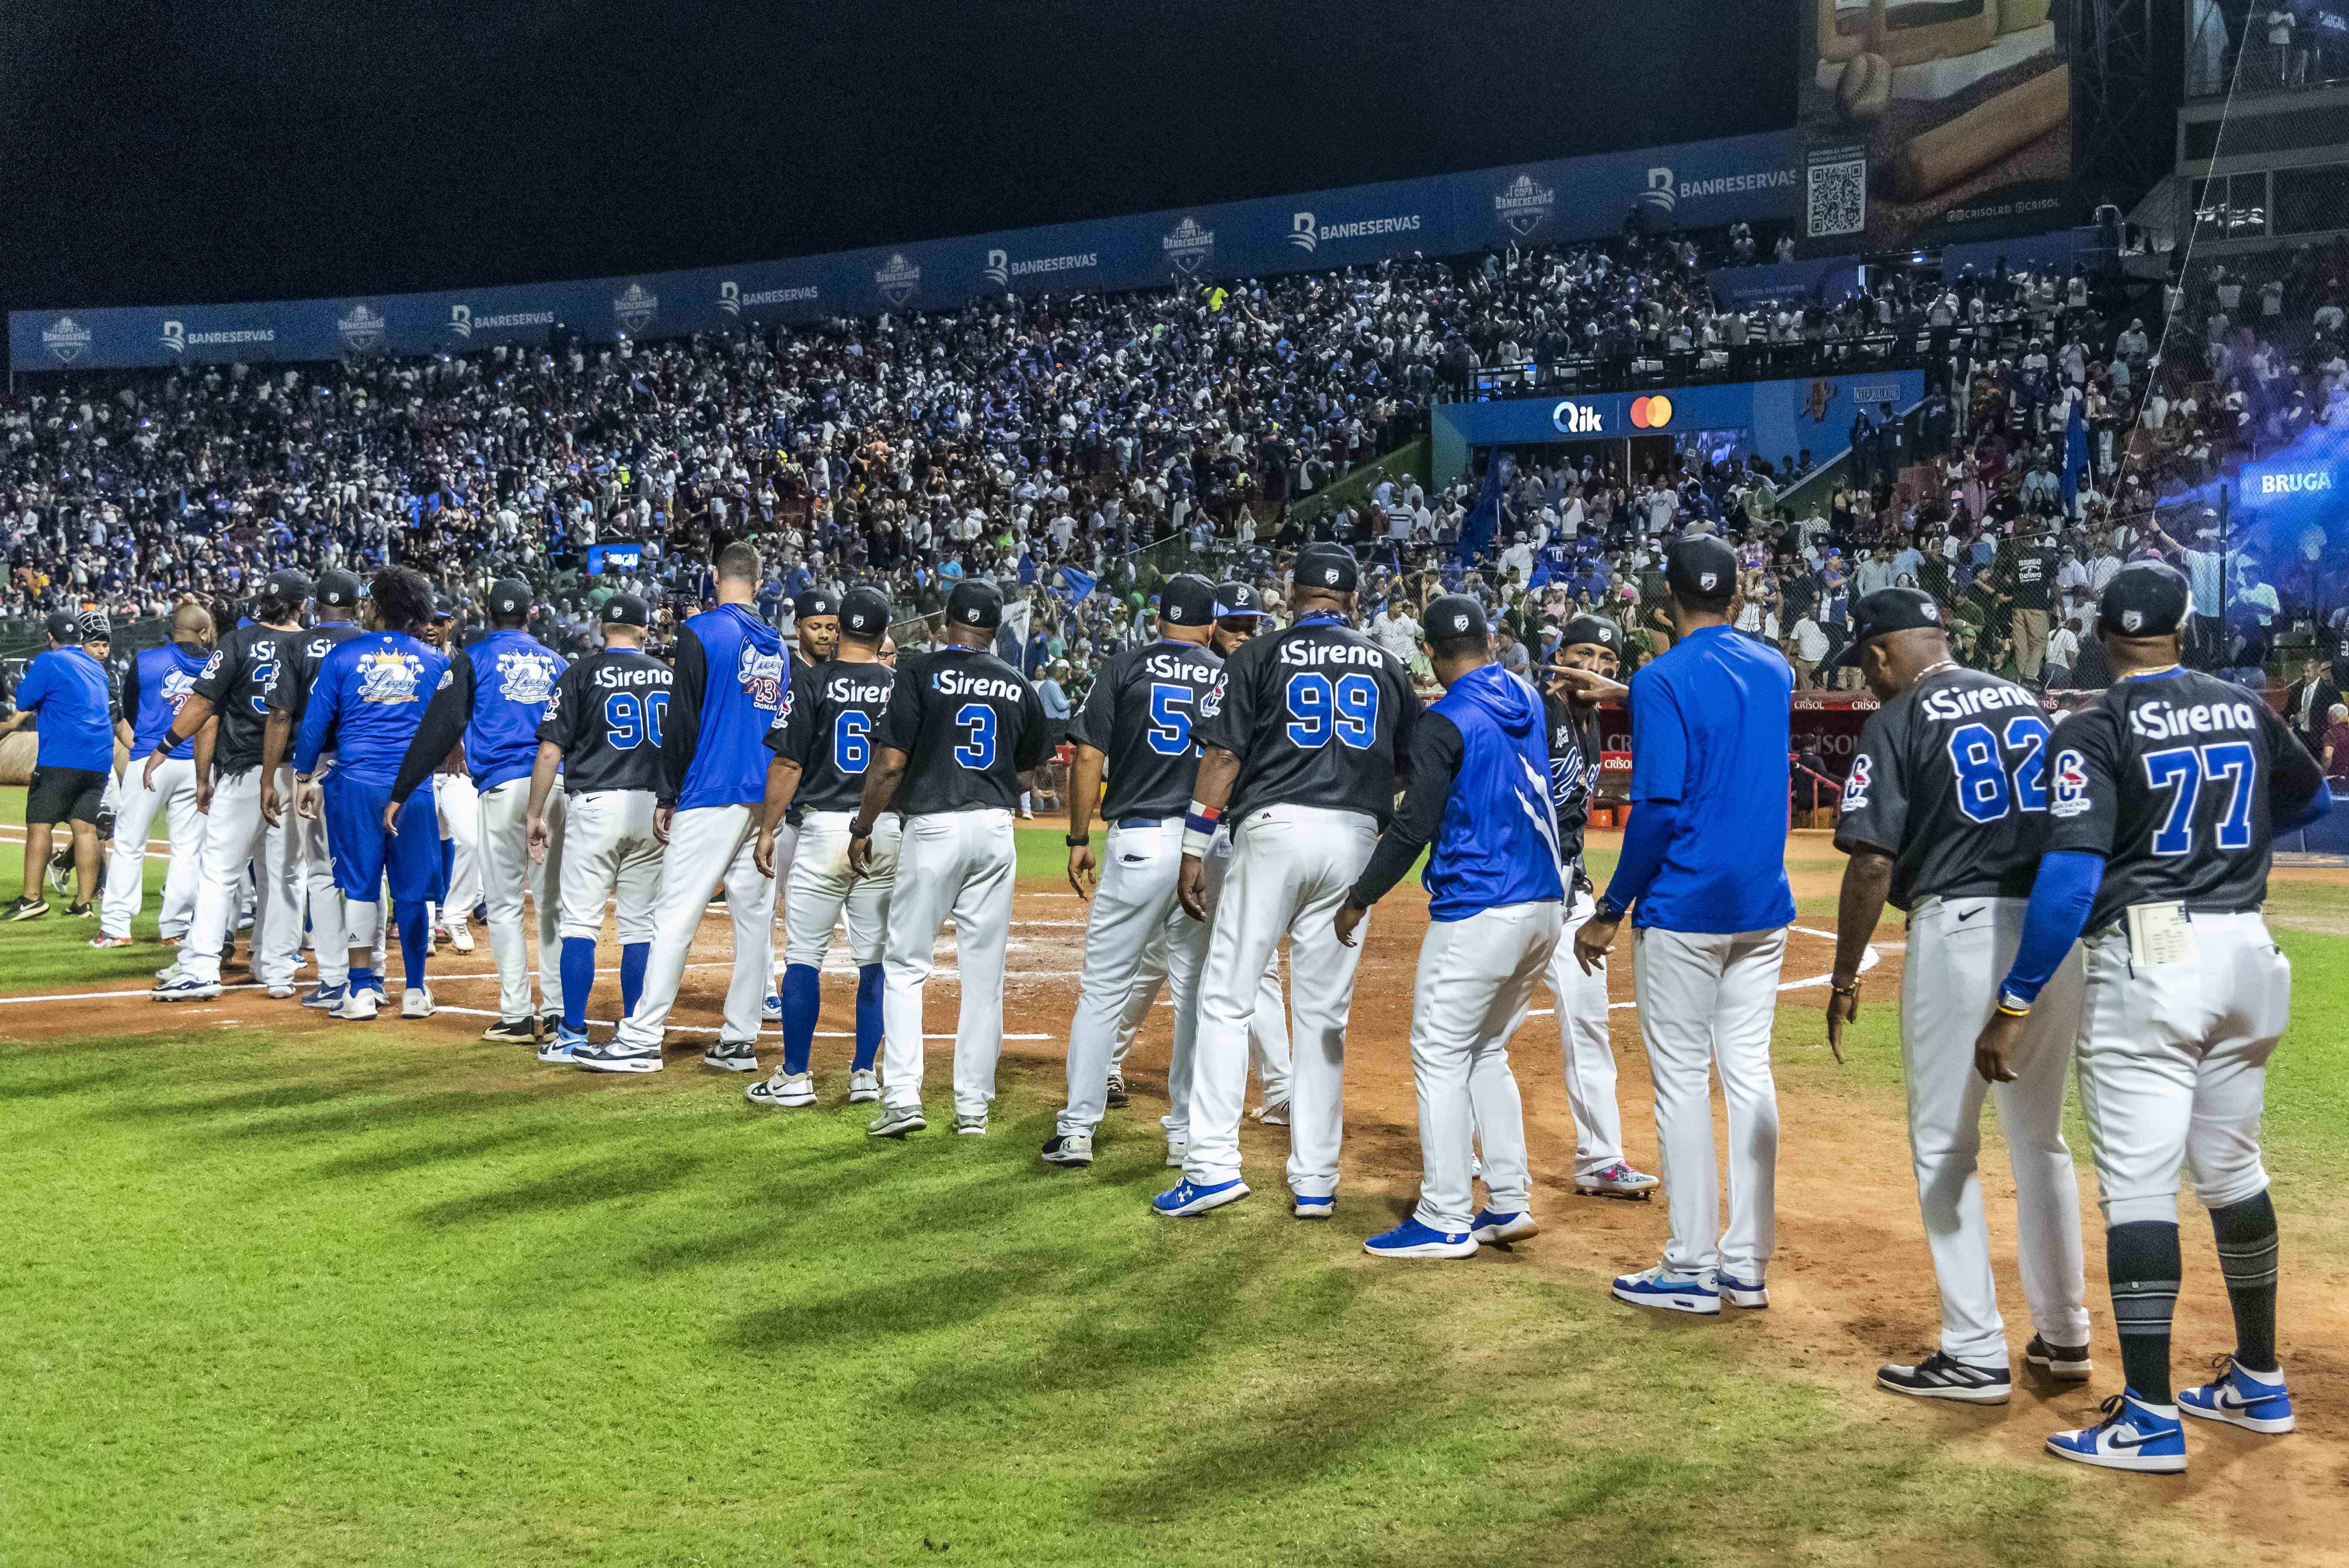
[[284, 991], [787, 1091], [179, 986], [1274, 1113], [358, 1004], [970, 1124], [460, 937], [863, 1087], [415, 1001], [1178, 1150]]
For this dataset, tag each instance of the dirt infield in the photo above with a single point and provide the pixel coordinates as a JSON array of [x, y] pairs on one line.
[[1851, 1284]]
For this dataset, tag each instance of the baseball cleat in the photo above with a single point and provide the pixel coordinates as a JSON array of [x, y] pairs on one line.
[[2255, 1401], [460, 937], [895, 1122], [2133, 1436], [1178, 1150], [1273, 1113], [863, 1087], [1941, 1376], [1412, 1240], [104, 941], [970, 1123], [1737, 1293], [2065, 1363], [1312, 1208], [614, 1056], [328, 997], [1188, 1197], [733, 1055], [281, 991], [788, 1091], [564, 1049], [415, 1001], [771, 1009], [182, 986], [513, 1032], [1070, 1149], [29, 909], [1616, 1180], [1660, 1287], [358, 1004], [1490, 1227], [1117, 1097]]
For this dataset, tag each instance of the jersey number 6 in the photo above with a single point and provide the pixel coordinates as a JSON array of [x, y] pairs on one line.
[[1316, 710]]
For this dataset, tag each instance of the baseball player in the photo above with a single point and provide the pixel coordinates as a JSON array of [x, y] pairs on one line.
[[233, 688], [732, 676], [458, 804], [155, 684], [1944, 811], [1136, 724], [599, 729], [1705, 864], [69, 691], [960, 727], [1302, 738], [493, 704], [822, 750], [1590, 643], [365, 709], [2163, 800], [338, 597], [1480, 793], [815, 625]]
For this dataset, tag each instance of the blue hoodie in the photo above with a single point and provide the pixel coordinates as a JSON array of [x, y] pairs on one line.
[[1497, 844]]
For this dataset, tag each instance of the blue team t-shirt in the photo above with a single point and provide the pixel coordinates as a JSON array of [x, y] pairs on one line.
[[68, 689], [1709, 726]]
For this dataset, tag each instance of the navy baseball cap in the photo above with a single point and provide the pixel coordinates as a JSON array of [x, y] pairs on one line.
[[626, 610], [814, 602], [287, 584], [1455, 615], [338, 588], [1700, 568], [1884, 612], [442, 608], [864, 611], [976, 604], [1187, 600], [1595, 629], [508, 597], [1237, 600], [1328, 567], [2147, 599], [65, 626]]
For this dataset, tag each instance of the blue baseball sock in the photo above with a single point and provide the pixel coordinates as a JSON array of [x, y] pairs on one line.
[[448, 865], [578, 979], [415, 932], [632, 959], [868, 1016], [360, 980], [803, 997]]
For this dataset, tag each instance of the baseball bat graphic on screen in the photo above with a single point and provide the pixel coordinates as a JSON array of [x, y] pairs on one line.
[[1982, 135]]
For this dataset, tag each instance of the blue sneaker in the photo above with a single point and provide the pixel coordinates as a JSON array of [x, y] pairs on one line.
[[558, 1051], [1306, 1207], [2255, 1401], [1490, 1225], [1188, 1197], [1738, 1293], [771, 1009], [1412, 1240], [2133, 1436], [1659, 1286]]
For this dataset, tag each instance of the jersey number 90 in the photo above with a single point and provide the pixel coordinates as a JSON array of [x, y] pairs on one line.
[[1316, 710], [632, 721]]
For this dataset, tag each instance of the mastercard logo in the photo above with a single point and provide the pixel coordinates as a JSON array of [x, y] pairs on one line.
[[1650, 412]]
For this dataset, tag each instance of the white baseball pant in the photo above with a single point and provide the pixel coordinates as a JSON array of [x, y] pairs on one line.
[[787, 850], [1959, 950], [1475, 979], [2174, 1066], [709, 847], [609, 854], [1133, 908], [502, 849], [1584, 1049], [312, 868], [235, 834], [174, 795], [961, 863], [821, 890], [460, 805], [1268, 1028], [1706, 1004], [1292, 867]]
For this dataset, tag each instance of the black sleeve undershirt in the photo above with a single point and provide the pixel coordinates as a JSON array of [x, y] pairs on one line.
[[1434, 756], [443, 725]]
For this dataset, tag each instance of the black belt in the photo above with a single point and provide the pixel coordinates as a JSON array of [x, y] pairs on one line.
[[1141, 822]]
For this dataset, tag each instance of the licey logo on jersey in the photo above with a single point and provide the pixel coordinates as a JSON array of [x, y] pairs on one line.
[[761, 678], [784, 713], [2071, 795], [525, 677], [389, 676], [1211, 703], [178, 686], [212, 665], [1855, 784]]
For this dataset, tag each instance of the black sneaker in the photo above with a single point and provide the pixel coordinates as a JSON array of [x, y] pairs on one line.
[[27, 909], [550, 1025], [81, 910], [2065, 1363], [512, 1032], [1118, 1097], [1939, 1377]]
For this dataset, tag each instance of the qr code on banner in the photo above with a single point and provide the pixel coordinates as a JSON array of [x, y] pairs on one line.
[[1838, 197]]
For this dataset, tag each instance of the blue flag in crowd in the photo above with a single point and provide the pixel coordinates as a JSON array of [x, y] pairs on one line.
[[2075, 457], [1485, 518], [1080, 585]]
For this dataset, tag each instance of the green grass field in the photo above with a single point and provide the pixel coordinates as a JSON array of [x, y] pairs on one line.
[[274, 1299]]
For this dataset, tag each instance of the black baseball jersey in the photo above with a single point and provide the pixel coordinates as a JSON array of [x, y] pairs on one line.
[[2176, 780], [1139, 715], [607, 714], [1951, 780], [1317, 713], [1575, 750], [827, 729], [968, 723], [298, 672], [236, 682]]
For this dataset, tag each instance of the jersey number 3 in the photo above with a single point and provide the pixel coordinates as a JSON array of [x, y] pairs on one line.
[[1316, 710], [977, 722]]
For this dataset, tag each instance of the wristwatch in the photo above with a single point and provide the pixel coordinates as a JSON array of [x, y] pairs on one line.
[[860, 830], [1079, 840], [1606, 909]]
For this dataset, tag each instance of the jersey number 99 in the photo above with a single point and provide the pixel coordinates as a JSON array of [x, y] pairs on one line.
[[1987, 790], [977, 722], [632, 721], [1316, 710]]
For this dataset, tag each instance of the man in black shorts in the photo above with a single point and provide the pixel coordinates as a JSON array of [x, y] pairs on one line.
[[66, 690]]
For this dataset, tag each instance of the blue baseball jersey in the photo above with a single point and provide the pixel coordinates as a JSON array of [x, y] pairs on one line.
[[733, 680], [367, 704], [493, 699], [68, 689], [156, 683]]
